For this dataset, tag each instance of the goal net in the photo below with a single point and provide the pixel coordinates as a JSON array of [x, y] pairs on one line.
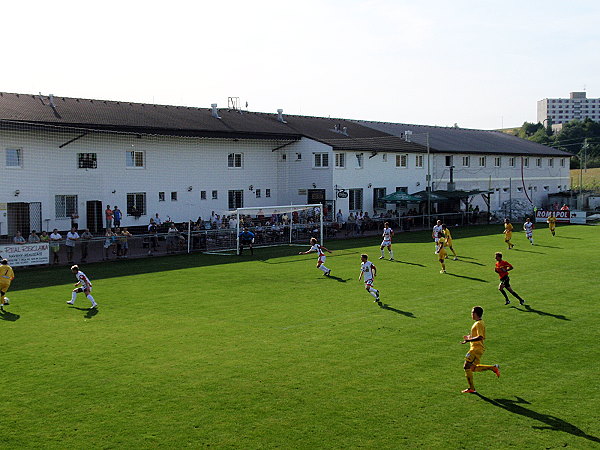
[[272, 226]]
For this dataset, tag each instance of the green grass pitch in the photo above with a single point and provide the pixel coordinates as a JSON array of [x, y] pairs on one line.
[[266, 352]]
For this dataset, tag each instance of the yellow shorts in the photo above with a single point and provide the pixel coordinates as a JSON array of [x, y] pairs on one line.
[[442, 254], [473, 357], [507, 236], [448, 242]]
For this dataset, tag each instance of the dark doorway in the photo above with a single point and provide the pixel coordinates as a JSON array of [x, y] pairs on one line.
[[18, 218], [94, 216]]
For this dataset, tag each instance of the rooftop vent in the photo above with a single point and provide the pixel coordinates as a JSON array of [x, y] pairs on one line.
[[214, 111], [280, 116], [407, 135]]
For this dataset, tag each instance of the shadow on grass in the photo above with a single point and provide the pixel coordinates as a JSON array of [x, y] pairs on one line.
[[89, 312], [541, 313], [461, 259], [551, 422], [397, 311], [8, 316], [546, 246], [466, 277], [333, 277], [567, 237], [409, 263], [526, 251]]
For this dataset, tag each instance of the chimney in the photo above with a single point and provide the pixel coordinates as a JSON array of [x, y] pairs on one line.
[[214, 111], [407, 135], [51, 99], [280, 116], [345, 131]]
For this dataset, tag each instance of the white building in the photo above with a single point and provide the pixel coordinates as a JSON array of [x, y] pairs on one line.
[[563, 110], [65, 157]]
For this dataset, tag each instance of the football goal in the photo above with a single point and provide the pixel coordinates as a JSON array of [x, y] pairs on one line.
[[271, 226]]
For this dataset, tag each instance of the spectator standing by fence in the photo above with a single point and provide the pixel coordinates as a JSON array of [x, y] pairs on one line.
[[18, 239], [33, 238], [86, 236], [108, 213], [55, 239], [117, 215]]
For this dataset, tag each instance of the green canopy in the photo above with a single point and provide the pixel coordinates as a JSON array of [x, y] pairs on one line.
[[398, 197], [423, 195]]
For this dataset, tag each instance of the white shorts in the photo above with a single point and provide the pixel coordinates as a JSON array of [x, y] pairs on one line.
[[369, 282], [385, 243], [529, 234], [322, 259], [83, 288]]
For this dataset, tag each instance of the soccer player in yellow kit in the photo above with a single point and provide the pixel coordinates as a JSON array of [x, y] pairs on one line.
[[441, 251], [448, 238], [508, 228], [551, 221], [6, 276], [473, 357]]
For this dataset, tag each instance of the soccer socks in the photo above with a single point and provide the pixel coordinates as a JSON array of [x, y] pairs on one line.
[[482, 367], [73, 297], [373, 292], [515, 295], [469, 375], [392, 254], [323, 268], [91, 299], [382, 253], [505, 296]]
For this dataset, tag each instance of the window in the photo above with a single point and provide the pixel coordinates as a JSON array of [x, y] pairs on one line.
[[235, 160], [298, 156], [136, 204], [482, 161], [268, 193], [526, 162], [511, 161], [14, 157], [134, 160], [497, 161], [466, 161], [562, 162], [284, 156], [173, 196], [257, 192], [419, 160], [87, 161], [236, 199], [538, 162], [359, 160], [377, 194], [448, 161], [546, 188], [215, 195], [202, 195], [402, 189], [355, 199], [401, 161], [321, 160], [161, 196], [340, 160], [65, 206], [550, 162]]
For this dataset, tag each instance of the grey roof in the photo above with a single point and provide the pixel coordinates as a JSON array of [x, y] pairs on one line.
[[340, 134], [463, 140]]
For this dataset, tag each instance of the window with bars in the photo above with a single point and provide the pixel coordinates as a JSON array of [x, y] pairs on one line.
[[321, 160], [65, 206], [419, 160], [14, 157], [136, 204], [134, 159], [87, 161], [378, 193], [402, 161], [235, 160], [236, 199], [340, 160], [355, 199]]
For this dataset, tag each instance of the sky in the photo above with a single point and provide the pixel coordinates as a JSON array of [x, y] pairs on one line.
[[478, 64]]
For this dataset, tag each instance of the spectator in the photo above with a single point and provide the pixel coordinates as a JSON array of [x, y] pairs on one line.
[[124, 238], [85, 238], [72, 236], [351, 224], [118, 241], [153, 239], [44, 237], [117, 216], [339, 217], [109, 241], [74, 223], [564, 207], [108, 213], [33, 238], [157, 220], [55, 239], [172, 237], [18, 239]]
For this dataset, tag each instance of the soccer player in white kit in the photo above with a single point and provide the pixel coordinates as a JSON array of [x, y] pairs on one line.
[[316, 247], [528, 226], [83, 285], [387, 241], [437, 228], [368, 271]]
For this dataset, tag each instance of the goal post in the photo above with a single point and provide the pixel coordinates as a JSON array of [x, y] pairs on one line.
[[281, 225]]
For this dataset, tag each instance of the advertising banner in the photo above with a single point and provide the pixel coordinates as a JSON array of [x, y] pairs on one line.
[[26, 254], [577, 217]]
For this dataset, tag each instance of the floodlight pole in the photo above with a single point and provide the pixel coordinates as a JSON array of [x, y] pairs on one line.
[[237, 231], [321, 224], [428, 181]]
